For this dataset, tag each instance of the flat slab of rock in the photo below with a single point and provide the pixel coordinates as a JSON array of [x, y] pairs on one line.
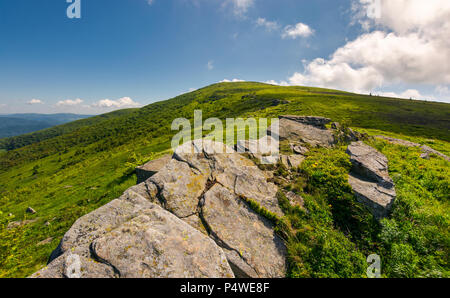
[[292, 161], [369, 163], [377, 198], [151, 168], [370, 179], [247, 238], [309, 130], [308, 120]]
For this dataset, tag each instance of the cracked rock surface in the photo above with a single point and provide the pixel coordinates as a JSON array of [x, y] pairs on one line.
[[306, 130], [133, 237], [190, 219], [370, 179]]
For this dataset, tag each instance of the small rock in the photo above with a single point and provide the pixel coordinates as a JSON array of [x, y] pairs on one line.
[[295, 160], [425, 155], [291, 161], [336, 125], [46, 241], [295, 199], [31, 210], [10, 214], [15, 224], [47, 223], [299, 149]]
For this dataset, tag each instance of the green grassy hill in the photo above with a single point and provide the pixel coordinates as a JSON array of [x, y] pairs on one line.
[[70, 170]]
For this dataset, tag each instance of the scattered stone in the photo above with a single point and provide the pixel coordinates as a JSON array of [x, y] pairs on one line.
[[46, 241], [425, 149], [298, 149], [425, 155], [47, 223], [295, 199], [30, 210], [429, 150], [10, 215], [16, 224], [295, 160], [370, 179], [336, 126], [151, 168], [399, 141], [292, 161]]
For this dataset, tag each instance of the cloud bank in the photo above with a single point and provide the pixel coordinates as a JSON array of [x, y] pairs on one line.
[[406, 44]]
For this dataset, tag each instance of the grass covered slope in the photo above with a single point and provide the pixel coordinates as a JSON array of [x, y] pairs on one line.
[[81, 166]]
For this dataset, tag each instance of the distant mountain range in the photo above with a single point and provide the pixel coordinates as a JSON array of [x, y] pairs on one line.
[[18, 124]]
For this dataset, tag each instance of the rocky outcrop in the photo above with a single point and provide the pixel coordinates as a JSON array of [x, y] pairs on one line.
[[132, 237], [370, 179], [191, 219], [425, 149], [194, 214], [151, 168], [305, 130]]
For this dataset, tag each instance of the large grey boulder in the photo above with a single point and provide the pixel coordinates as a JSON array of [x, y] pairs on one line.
[[191, 219], [197, 183], [248, 239], [151, 168], [305, 130], [370, 179], [133, 237]]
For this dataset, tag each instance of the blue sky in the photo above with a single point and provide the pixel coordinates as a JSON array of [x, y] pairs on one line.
[[125, 53]]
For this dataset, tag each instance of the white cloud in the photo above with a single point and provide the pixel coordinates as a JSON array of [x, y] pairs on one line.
[[150, 2], [231, 81], [69, 102], [408, 44], [408, 94], [281, 83], [268, 25], [240, 7], [124, 102], [210, 65], [35, 101], [299, 30]]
